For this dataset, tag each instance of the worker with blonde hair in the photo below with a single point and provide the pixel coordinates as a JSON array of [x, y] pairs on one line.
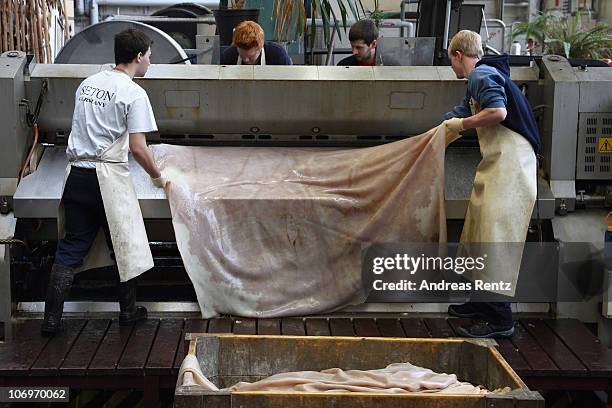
[[504, 192], [250, 48]]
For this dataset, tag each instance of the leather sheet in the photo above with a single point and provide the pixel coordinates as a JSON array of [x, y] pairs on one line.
[[272, 231], [398, 378]]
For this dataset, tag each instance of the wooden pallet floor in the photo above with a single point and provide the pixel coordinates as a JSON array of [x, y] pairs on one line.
[[100, 354]]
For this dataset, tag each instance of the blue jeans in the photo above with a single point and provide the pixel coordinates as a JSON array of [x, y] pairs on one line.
[[497, 313], [84, 216]]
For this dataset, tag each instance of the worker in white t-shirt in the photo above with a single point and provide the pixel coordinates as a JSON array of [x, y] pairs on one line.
[[111, 116]]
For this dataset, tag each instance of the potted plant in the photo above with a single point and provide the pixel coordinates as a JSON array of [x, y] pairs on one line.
[[567, 36], [289, 14]]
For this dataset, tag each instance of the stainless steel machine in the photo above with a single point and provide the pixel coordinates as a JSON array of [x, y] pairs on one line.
[[206, 105]]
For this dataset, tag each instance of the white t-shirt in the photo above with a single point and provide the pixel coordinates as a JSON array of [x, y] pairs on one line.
[[107, 105]]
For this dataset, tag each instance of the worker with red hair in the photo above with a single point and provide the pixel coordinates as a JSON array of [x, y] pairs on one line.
[[249, 48]]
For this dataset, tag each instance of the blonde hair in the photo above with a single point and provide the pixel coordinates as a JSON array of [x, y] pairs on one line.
[[247, 35], [468, 42]]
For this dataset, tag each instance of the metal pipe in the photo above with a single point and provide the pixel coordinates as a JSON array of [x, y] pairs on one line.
[[402, 18], [410, 26], [403, 12], [93, 12], [339, 25], [154, 3], [503, 27], [152, 19], [493, 50], [590, 199], [485, 23], [80, 7], [446, 25], [388, 24], [94, 17]]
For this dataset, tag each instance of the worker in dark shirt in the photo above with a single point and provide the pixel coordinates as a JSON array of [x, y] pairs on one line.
[[249, 48], [363, 36]]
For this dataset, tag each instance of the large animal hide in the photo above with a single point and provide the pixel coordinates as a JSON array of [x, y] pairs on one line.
[[271, 231]]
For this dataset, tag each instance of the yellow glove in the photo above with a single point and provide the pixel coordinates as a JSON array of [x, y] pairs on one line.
[[454, 124], [160, 181]]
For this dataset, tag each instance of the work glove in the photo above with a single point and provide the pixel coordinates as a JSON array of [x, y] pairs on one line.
[[454, 124], [160, 181]]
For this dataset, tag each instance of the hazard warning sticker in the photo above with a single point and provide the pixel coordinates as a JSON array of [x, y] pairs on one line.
[[605, 145]]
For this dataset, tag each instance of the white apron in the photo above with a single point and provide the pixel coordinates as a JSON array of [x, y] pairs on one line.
[[127, 230], [263, 58], [501, 202]]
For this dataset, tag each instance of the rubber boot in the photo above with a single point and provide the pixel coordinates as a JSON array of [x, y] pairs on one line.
[[129, 312], [60, 282]]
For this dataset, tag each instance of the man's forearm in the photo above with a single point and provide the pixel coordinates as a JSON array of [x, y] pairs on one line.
[[486, 117], [144, 157], [142, 154]]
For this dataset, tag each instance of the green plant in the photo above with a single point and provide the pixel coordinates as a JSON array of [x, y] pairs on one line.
[[566, 36], [238, 4], [292, 13], [377, 15]]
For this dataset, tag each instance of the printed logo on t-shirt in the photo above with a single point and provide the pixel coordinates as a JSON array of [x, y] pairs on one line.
[[96, 96]]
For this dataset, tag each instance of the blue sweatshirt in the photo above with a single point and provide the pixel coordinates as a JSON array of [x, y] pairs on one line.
[[490, 85]]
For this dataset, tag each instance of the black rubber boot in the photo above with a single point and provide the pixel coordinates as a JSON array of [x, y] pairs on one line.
[[129, 312], [59, 287]]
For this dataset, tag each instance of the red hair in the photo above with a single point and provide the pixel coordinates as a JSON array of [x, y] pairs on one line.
[[247, 35]]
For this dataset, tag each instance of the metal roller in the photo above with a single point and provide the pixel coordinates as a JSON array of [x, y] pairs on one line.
[[95, 45]]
